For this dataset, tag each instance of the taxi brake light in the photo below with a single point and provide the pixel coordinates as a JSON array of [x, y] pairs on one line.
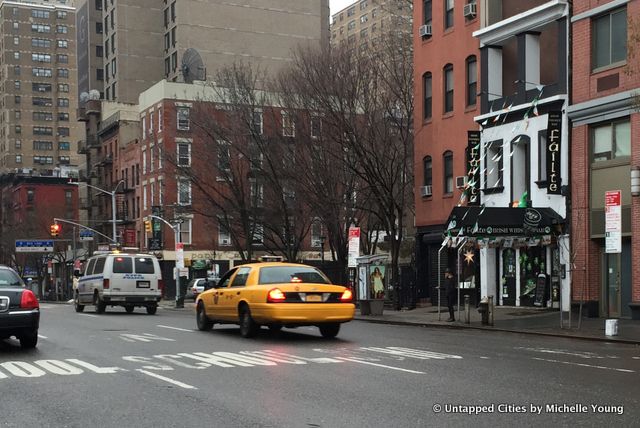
[[347, 296], [29, 300], [275, 296]]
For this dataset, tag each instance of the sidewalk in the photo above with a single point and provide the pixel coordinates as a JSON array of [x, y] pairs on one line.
[[506, 319]]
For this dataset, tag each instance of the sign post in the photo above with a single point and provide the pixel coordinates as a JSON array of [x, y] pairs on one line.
[[613, 221], [354, 246]]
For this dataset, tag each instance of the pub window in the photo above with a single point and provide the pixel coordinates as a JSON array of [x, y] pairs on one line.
[[447, 159], [448, 88], [448, 14], [493, 162], [609, 38], [611, 140], [427, 8]]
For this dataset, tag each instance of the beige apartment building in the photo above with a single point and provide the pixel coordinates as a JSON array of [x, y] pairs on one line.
[[145, 41], [90, 48], [362, 21], [38, 126]]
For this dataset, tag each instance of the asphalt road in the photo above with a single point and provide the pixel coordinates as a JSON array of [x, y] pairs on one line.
[[125, 370]]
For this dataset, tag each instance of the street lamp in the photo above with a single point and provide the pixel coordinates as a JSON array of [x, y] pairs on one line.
[[113, 203]]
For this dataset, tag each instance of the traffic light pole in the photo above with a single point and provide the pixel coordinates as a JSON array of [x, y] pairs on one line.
[[61, 220], [176, 234]]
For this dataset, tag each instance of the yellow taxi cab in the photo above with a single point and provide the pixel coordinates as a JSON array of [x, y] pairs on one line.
[[275, 294]]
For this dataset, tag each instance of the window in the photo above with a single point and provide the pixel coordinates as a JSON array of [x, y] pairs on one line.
[[316, 126], [18, 144], [184, 154], [42, 130], [448, 88], [224, 156], [18, 114], [16, 55], [62, 58], [351, 25], [98, 27], [15, 26], [64, 145], [447, 159], [363, 5], [427, 12], [38, 57], [256, 194], [39, 28], [258, 234], [40, 43], [472, 80], [184, 191], [224, 234], [18, 129], [257, 122], [63, 44], [17, 99], [63, 102], [64, 160], [364, 18], [16, 41], [63, 72], [63, 132], [288, 125], [18, 158], [428, 171], [493, 165], [31, 195], [42, 115], [122, 265], [63, 117], [185, 230], [16, 70], [611, 141], [39, 101], [61, 14], [100, 74], [448, 14], [428, 95], [610, 38], [41, 72], [240, 280], [351, 11], [183, 118], [16, 84], [63, 87], [37, 13]]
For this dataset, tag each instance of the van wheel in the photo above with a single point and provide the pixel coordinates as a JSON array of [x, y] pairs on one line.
[[202, 321], [151, 310], [248, 327], [76, 303], [101, 306], [329, 331], [129, 309]]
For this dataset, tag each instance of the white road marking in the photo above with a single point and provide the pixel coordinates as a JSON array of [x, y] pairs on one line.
[[380, 365], [42, 337], [412, 353], [174, 328], [144, 337], [636, 358], [585, 365], [586, 355], [166, 379], [89, 315], [484, 358]]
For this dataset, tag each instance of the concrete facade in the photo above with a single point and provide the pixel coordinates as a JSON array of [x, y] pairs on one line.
[[361, 22]]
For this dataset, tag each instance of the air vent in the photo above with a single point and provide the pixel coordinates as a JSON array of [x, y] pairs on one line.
[[461, 181]]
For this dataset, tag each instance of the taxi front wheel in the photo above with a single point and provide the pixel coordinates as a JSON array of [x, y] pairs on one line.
[[202, 321], [248, 327], [329, 331]]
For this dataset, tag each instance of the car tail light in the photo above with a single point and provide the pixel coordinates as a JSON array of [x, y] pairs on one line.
[[29, 300], [275, 296], [161, 287], [105, 284], [347, 296]]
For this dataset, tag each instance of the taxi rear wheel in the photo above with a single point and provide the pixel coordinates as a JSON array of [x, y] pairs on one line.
[[203, 322], [248, 327], [329, 331]]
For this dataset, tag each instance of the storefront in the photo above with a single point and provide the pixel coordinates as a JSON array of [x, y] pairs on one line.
[[520, 249]]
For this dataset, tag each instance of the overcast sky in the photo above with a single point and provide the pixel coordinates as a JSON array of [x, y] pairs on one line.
[[336, 5]]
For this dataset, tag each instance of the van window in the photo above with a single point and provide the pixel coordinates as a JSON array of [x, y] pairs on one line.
[[99, 265], [144, 265], [90, 266], [122, 265]]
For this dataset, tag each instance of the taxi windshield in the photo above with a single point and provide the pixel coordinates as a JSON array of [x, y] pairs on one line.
[[285, 274]]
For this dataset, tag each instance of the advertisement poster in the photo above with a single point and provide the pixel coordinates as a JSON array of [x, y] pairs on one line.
[[354, 246], [376, 282]]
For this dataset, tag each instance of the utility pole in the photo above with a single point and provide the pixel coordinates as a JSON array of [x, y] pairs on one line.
[[179, 255]]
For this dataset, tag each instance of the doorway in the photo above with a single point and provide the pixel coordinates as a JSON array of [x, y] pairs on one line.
[[613, 284]]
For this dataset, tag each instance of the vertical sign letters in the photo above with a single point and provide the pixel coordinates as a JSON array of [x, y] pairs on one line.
[[554, 140], [473, 167]]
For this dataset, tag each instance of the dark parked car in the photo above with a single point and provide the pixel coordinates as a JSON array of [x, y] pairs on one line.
[[19, 309]]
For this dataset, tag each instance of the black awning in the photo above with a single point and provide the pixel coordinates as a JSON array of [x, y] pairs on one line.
[[484, 222]]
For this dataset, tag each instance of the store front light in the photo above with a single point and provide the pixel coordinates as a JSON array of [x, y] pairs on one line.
[[635, 181]]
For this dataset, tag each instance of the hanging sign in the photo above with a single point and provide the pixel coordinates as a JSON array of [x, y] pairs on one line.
[[354, 246], [554, 139], [473, 168], [613, 221], [179, 255]]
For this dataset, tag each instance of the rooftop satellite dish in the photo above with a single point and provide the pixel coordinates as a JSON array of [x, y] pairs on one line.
[[94, 94], [192, 66], [84, 97]]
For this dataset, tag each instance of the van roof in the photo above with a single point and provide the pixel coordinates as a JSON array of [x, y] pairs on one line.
[[120, 253]]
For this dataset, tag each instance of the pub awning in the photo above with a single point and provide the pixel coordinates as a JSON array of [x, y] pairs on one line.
[[492, 221]]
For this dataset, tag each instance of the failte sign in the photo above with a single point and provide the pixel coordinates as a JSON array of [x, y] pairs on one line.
[[613, 221], [554, 140]]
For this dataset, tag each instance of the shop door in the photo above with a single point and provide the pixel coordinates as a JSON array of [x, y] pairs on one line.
[[509, 277], [613, 284]]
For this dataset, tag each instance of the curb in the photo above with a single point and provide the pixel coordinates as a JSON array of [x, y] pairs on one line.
[[500, 330]]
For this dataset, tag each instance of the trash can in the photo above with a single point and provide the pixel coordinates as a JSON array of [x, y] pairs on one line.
[[611, 328]]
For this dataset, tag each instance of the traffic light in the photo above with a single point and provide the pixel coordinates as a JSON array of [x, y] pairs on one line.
[[148, 226], [55, 230]]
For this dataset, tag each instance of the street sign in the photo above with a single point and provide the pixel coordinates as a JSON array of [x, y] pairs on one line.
[[34, 246], [86, 235], [179, 255], [354, 246], [613, 221]]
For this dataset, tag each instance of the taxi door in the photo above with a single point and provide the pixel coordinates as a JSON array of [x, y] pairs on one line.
[[213, 301], [235, 293]]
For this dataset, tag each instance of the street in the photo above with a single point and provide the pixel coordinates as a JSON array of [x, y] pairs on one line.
[[123, 370]]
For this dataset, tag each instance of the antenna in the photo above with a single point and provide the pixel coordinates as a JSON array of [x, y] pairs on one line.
[[192, 66]]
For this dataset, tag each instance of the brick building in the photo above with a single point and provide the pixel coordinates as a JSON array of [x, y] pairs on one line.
[[605, 150]]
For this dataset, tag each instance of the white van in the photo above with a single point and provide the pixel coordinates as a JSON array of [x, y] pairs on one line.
[[118, 279]]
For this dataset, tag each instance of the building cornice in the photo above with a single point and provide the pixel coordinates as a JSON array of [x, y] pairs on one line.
[[604, 108], [532, 19]]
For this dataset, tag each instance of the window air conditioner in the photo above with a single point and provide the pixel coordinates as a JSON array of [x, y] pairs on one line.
[[469, 10], [425, 30], [461, 182], [225, 241], [425, 191]]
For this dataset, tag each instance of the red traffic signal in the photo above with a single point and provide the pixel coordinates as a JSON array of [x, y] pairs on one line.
[[55, 229]]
